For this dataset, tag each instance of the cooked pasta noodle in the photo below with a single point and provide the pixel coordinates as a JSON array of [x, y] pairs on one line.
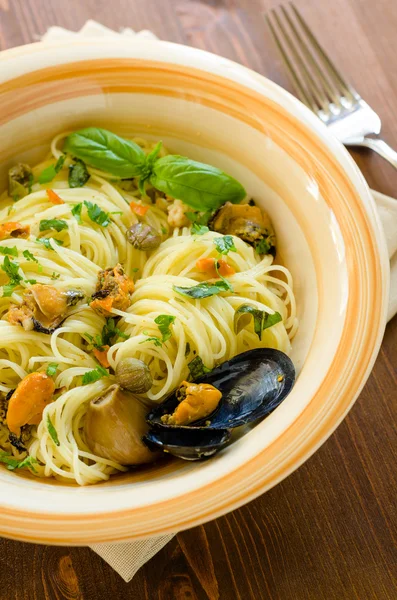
[[202, 327]]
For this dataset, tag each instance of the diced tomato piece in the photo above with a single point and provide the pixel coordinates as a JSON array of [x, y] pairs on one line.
[[207, 265], [54, 198], [139, 209]]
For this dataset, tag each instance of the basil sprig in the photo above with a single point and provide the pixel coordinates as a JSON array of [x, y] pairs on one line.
[[200, 186], [204, 290], [262, 320], [106, 151]]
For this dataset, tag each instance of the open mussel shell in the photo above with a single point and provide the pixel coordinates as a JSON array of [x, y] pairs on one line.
[[253, 384], [188, 443]]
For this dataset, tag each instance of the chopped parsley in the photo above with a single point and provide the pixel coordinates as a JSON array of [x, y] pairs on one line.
[[13, 463], [78, 174], [164, 323], [199, 229], [52, 431], [197, 368], [11, 269], [29, 256], [55, 275], [76, 212], [110, 331], [52, 369], [96, 214], [10, 251], [50, 172], [225, 244], [57, 224], [153, 338], [95, 375], [201, 218], [263, 246], [187, 349], [262, 320], [47, 242], [205, 289]]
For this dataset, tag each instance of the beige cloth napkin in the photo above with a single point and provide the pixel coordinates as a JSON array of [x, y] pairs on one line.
[[127, 558]]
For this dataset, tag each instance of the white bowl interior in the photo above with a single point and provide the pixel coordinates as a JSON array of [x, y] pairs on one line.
[[308, 235]]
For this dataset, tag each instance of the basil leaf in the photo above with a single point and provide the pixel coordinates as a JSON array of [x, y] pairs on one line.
[[106, 151], [50, 172], [95, 375], [198, 185], [199, 229], [262, 320], [204, 290], [96, 214], [197, 368], [52, 431], [76, 212], [47, 242], [78, 174], [29, 256], [164, 323], [225, 244], [57, 224], [11, 251], [52, 369]]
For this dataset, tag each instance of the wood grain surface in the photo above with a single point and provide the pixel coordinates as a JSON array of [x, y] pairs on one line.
[[328, 531]]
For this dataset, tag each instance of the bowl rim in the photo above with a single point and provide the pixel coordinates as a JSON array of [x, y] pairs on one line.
[[210, 63]]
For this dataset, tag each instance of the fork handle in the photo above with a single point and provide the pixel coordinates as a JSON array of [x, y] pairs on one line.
[[381, 148]]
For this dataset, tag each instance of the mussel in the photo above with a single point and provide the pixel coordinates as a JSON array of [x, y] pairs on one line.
[[252, 384], [43, 308]]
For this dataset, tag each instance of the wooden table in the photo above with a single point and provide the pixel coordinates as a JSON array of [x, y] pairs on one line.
[[325, 533]]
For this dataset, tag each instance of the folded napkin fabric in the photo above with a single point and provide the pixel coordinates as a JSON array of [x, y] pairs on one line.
[[127, 558]]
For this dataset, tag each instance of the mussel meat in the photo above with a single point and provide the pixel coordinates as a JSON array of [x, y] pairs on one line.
[[252, 384], [43, 308]]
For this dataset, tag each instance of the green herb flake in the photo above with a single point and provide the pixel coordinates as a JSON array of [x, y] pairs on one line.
[[96, 214], [10, 251], [50, 172], [78, 174], [76, 212], [111, 331], [197, 368], [201, 218], [55, 275], [156, 340], [47, 242], [187, 349], [52, 431], [262, 320], [8, 289], [164, 323], [29, 256], [13, 463], [205, 289], [199, 229], [11, 269], [52, 369], [57, 224], [94, 375], [30, 281], [263, 246], [225, 244]]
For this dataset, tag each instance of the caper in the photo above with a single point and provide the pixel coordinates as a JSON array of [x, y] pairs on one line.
[[143, 237], [134, 375]]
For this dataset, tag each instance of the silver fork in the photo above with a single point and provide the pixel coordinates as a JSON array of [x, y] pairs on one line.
[[321, 86]]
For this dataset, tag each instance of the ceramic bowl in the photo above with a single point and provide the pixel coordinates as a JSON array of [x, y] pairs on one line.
[[329, 235]]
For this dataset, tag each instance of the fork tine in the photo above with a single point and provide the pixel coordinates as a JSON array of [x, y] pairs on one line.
[[300, 89], [332, 71], [318, 98]]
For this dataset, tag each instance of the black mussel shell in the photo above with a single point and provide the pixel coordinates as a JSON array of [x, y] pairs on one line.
[[37, 326], [253, 384], [188, 443]]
